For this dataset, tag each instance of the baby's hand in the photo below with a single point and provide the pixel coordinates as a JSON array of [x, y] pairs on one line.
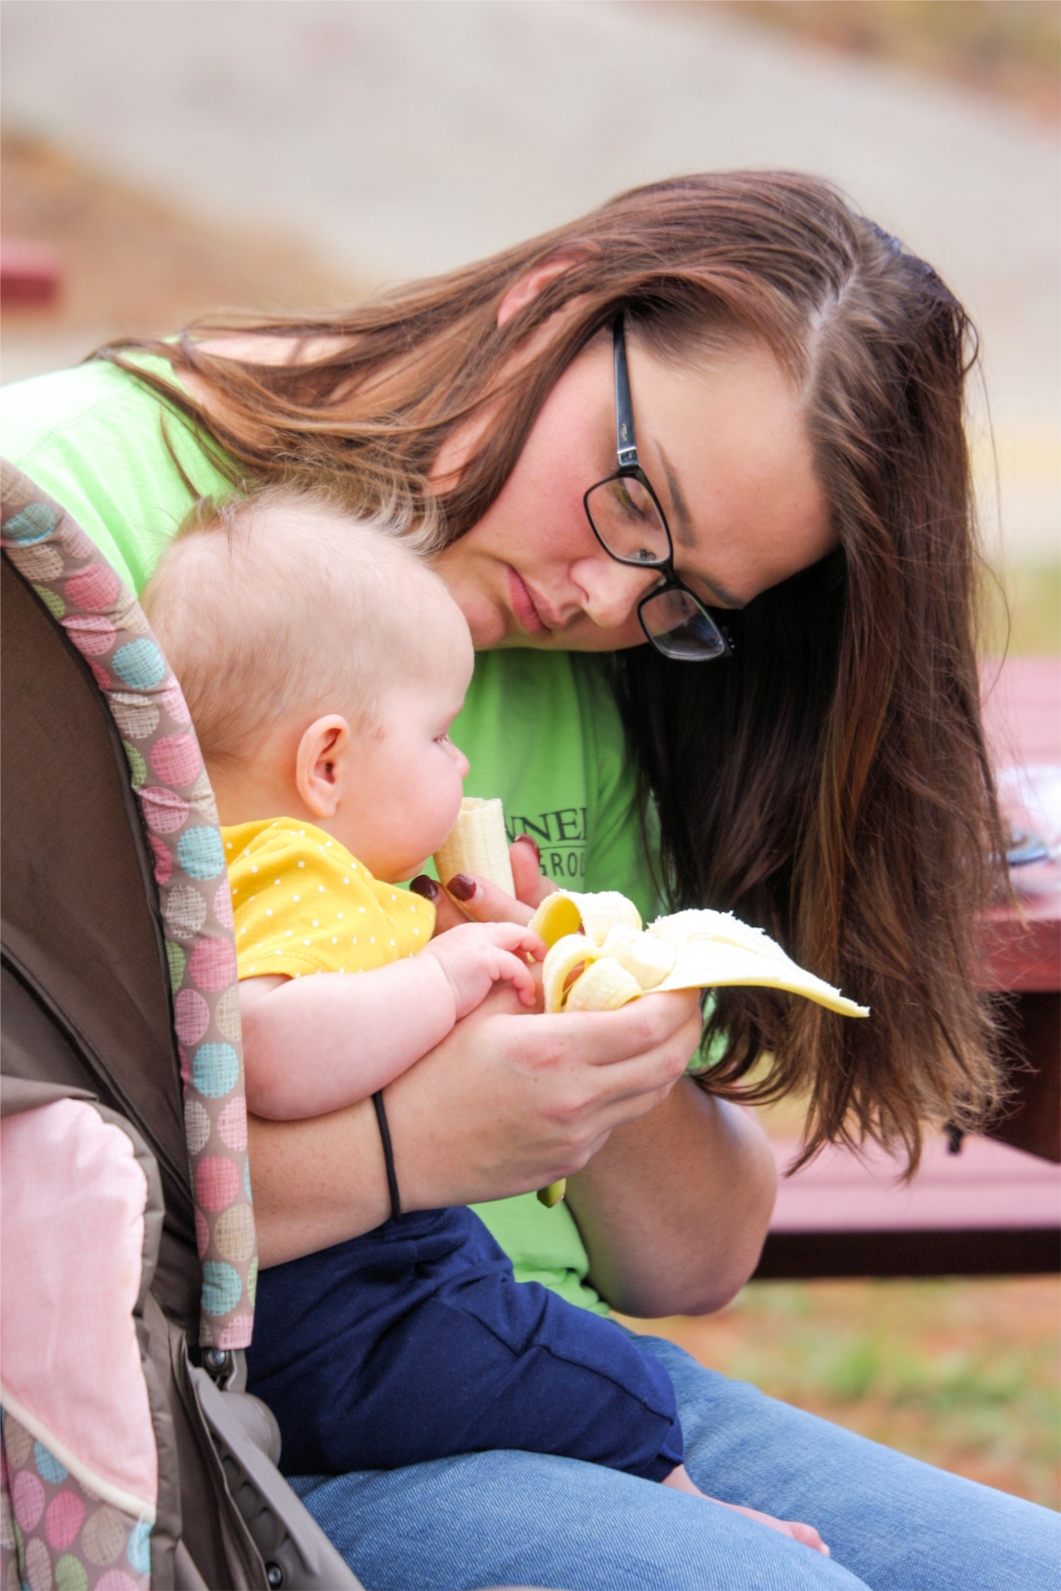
[[475, 956]]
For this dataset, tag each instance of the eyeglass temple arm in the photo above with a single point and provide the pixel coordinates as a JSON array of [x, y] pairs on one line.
[[625, 442]]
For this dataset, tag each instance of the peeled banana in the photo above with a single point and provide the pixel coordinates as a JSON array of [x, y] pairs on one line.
[[478, 843], [609, 960]]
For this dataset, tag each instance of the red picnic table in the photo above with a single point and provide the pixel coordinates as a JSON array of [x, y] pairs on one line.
[[994, 1206]]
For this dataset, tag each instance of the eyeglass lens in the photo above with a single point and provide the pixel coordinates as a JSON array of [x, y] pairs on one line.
[[625, 516], [676, 624]]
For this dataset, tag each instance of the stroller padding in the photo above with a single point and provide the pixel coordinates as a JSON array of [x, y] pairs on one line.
[[86, 689], [73, 1234]]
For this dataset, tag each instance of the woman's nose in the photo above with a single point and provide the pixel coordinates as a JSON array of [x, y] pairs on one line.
[[610, 590]]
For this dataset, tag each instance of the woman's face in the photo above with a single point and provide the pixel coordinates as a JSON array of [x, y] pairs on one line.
[[724, 445]]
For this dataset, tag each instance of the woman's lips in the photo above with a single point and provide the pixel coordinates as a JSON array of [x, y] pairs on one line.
[[526, 614]]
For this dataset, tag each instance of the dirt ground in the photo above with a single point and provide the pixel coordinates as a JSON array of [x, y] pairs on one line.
[[961, 1373]]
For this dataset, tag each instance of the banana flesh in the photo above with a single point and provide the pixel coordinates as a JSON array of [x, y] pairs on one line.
[[477, 843], [613, 961]]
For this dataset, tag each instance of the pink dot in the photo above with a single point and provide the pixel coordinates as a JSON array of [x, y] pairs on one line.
[[175, 759], [164, 810], [27, 1494], [174, 703], [63, 1519], [223, 905], [213, 964], [237, 1334], [232, 1124], [163, 860], [191, 1016], [90, 634], [94, 588], [102, 678], [186, 1071], [202, 1233], [117, 1580], [216, 1182]]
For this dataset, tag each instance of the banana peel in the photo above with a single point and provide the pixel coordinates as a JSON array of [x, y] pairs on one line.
[[611, 960]]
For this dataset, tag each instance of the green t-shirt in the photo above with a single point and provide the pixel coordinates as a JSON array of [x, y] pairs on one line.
[[540, 730]]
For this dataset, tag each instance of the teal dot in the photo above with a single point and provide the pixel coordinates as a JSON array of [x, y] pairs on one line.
[[215, 1070], [35, 523], [139, 1549], [48, 1466], [177, 963], [201, 853], [137, 765], [139, 664], [222, 1288], [52, 601]]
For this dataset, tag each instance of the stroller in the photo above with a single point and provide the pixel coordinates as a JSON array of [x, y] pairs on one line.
[[132, 1458]]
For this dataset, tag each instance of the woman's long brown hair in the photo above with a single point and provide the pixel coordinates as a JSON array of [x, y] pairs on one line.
[[828, 782]]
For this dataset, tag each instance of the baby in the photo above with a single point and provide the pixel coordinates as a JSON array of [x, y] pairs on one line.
[[323, 663]]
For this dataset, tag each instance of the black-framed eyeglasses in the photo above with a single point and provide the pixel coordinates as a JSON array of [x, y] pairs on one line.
[[630, 525]]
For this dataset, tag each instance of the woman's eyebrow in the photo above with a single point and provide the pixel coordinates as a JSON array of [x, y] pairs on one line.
[[684, 533]]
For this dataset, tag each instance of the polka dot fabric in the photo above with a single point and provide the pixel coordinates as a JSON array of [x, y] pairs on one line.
[[55, 1534], [105, 623]]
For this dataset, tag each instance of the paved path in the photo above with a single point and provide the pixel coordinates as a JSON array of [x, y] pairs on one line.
[[406, 136]]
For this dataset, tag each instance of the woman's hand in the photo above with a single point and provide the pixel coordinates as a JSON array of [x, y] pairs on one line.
[[469, 898], [529, 1101]]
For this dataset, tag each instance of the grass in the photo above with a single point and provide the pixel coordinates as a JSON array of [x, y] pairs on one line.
[[960, 1373]]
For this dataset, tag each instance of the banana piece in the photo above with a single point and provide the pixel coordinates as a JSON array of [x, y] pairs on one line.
[[649, 960], [568, 957], [478, 844], [602, 911], [604, 986]]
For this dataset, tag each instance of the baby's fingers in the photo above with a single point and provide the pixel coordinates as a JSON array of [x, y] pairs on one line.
[[510, 936], [518, 974]]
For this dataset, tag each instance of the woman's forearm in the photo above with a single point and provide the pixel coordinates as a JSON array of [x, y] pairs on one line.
[[674, 1208], [316, 1182]]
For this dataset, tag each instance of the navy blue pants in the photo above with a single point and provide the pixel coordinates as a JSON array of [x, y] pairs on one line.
[[416, 1342]]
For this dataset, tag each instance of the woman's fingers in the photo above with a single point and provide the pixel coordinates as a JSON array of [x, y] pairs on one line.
[[482, 902], [532, 886]]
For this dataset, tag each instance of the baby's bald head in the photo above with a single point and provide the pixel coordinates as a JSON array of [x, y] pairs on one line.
[[282, 604]]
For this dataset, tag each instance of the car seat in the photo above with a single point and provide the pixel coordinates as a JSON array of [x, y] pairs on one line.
[[130, 1457]]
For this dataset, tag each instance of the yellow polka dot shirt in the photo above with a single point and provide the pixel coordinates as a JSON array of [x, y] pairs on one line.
[[302, 904]]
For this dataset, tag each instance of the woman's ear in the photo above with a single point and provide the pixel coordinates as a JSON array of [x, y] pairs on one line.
[[320, 751], [527, 287]]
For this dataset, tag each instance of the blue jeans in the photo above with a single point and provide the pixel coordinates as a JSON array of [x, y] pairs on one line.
[[520, 1519]]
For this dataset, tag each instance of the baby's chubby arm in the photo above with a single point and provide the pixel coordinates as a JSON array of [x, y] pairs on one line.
[[318, 1043]]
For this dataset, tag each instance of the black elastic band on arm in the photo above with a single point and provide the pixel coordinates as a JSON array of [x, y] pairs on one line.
[[388, 1155]]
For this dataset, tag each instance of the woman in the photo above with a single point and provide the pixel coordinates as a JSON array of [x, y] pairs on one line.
[[791, 489]]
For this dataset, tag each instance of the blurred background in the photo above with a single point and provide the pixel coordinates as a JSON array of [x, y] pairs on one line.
[[164, 157]]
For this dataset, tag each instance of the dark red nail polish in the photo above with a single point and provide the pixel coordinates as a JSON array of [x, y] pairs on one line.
[[422, 885], [461, 887], [525, 839]]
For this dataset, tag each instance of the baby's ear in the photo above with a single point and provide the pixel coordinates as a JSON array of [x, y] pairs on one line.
[[322, 746]]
